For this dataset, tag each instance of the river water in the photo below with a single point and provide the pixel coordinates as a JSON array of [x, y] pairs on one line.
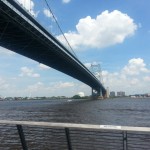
[[119, 111]]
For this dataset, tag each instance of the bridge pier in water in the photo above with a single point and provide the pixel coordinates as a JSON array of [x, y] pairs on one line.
[[97, 94]]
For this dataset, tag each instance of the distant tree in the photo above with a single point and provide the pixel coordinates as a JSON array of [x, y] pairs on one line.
[[76, 97]]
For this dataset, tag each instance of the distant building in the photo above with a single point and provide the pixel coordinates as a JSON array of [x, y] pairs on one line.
[[120, 93], [112, 94]]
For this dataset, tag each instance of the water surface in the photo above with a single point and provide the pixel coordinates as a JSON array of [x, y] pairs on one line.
[[120, 111]]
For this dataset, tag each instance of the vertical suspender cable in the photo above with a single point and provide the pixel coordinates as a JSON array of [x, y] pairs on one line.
[[59, 26]]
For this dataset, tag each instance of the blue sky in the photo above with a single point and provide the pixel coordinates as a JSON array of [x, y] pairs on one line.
[[114, 34]]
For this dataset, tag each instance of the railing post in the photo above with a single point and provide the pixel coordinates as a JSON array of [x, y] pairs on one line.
[[68, 138], [125, 145], [22, 137]]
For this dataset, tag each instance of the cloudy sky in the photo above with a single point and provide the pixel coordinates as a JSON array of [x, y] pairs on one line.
[[114, 34]]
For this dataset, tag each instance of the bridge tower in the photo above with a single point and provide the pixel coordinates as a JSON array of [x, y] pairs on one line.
[[96, 70]]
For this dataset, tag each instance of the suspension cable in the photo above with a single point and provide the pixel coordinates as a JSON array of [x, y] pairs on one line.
[[59, 26]]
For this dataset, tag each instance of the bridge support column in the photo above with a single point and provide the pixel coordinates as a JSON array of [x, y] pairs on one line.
[[97, 94], [100, 93]]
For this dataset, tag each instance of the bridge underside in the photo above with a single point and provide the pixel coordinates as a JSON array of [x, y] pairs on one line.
[[20, 36]]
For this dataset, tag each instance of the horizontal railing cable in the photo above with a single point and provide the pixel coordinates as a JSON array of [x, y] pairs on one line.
[[70, 136]]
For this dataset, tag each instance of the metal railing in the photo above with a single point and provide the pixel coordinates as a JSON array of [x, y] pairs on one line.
[[67, 136]]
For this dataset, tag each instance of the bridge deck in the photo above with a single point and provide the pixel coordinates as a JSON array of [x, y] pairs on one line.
[[21, 33]]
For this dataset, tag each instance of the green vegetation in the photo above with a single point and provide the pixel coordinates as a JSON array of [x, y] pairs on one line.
[[45, 98], [78, 97]]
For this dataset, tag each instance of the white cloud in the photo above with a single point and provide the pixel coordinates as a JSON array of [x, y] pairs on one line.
[[43, 67], [135, 66], [25, 71], [108, 28], [146, 78], [133, 78], [47, 13], [51, 89], [66, 1], [39, 86], [81, 94], [4, 84], [64, 84], [134, 81], [121, 80], [87, 65], [29, 5], [36, 87]]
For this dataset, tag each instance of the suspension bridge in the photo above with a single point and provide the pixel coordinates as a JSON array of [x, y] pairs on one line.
[[22, 33]]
